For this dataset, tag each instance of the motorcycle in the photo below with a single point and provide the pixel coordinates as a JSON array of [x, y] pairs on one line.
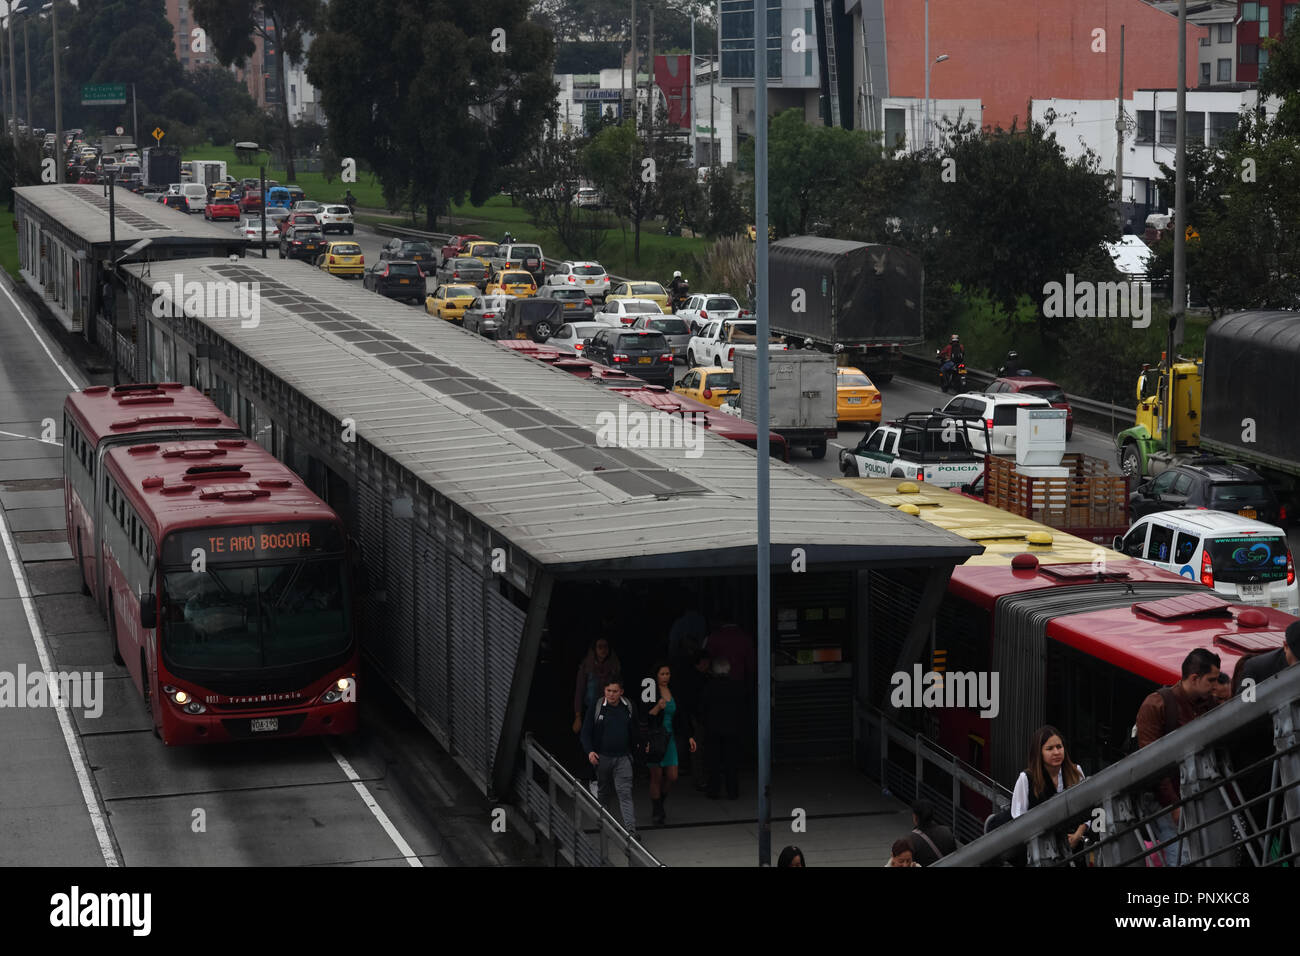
[[952, 374], [681, 296]]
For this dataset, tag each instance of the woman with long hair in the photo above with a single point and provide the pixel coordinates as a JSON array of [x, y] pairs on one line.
[[669, 713], [1048, 771]]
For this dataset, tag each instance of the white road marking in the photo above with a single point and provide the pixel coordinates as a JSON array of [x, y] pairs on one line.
[[33, 438], [97, 818], [41, 341], [402, 846]]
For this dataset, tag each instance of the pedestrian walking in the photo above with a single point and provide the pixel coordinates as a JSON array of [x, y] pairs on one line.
[[724, 717], [1048, 771], [609, 734], [668, 715], [900, 854], [791, 856], [931, 840], [1163, 712], [594, 672]]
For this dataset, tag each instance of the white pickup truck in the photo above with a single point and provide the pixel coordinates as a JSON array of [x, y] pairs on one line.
[[918, 447], [717, 343]]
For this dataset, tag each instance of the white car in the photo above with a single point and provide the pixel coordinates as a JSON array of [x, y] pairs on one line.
[[590, 276], [586, 198], [570, 336], [1245, 560], [308, 205], [335, 219], [706, 306], [627, 311], [990, 419], [250, 227]]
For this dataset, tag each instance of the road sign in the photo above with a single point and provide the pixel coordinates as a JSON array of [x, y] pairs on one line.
[[118, 131], [1192, 234], [104, 94], [158, 134]]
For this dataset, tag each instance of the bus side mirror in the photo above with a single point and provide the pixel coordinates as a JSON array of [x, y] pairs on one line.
[[148, 610], [1117, 544]]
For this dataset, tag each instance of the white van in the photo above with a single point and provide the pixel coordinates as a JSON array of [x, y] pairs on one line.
[[196, 194], [1245, 560]]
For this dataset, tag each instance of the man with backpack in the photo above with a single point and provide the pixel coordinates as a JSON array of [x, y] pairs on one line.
[[610, 737], [1163, 712], [931, 841]]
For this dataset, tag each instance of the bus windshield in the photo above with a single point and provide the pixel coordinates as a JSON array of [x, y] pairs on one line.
[[231, 618]]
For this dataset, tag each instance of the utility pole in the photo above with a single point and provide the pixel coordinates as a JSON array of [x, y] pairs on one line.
[[633, 66], [13, 78], [695, 158], [112, 260], [1177, 313], [764, 555], [27, 65], [58, 101], [1119, 136], [650, 77], [926, 120]]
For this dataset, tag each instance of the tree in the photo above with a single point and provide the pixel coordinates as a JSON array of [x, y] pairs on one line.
[[808, 168], [545, 181], [281, 24], [438, 97]]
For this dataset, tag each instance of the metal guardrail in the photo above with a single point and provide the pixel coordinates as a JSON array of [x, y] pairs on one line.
[[1218, 826], [963, 779], [1101, 411], [563, 810]]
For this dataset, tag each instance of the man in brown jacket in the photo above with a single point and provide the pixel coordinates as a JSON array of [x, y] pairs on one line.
[[1155, 719]]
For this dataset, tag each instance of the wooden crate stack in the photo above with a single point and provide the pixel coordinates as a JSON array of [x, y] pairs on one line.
[[1090, 497]]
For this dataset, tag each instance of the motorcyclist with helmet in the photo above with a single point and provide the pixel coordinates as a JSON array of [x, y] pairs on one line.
[[678, 290], [1011, 366], [951, 356]]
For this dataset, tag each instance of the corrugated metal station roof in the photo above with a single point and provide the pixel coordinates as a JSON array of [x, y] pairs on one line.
[[514, 441], [84, 210]]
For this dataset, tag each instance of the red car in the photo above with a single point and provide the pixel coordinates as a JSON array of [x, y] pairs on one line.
[[456, 247], [221, 209], [1039, 388], [251, 201], [296, 219]]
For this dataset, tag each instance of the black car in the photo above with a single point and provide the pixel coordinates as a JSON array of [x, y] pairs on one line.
[[302, 242], [643, 354], [1211, 483], [410, 250], [177, 202], [463, 269], [396, 279], [531, 318], [578, 306]]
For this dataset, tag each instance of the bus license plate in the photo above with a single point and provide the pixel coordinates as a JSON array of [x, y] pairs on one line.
[[645, 360], [264, 724], [1247, 512]]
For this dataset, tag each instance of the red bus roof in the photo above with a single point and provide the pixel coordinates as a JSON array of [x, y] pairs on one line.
[[102, 410], [982, 585], [1154, 647], [192, 484]]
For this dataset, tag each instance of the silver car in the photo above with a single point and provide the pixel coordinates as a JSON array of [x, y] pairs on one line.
[[486, 314], [569, 337], [676, 331]]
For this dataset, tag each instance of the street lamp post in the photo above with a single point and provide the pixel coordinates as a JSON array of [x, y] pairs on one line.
[[13, 73], [58, 99], [928, 124]]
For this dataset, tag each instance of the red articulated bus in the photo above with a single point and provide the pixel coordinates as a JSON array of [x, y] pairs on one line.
[[1078, 635], [101, 418], [230, 586]]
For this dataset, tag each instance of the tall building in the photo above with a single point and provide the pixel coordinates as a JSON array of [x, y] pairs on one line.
[[184, 38], [789, 48]]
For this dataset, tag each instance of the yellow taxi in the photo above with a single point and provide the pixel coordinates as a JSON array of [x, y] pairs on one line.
[[450, 301], [641, 290], [709, 384], [512, 282], [221, 191], [342, 258], [857, 400], [481, 249]]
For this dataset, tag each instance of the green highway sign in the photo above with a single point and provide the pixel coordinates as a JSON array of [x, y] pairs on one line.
[[104, 94]]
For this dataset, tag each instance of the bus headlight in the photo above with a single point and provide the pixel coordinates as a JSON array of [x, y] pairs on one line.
[[345, 688]]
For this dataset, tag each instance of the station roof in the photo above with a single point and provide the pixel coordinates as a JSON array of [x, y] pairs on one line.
[[84, 211], [517, 443]]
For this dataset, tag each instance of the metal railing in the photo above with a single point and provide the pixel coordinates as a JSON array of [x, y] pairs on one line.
[[928, 763], [560, 808], [1229, 816], [925, 368]]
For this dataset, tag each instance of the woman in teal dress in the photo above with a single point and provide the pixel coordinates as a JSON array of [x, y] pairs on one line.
[[669, 713]]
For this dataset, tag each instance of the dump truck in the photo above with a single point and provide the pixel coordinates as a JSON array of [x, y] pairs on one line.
[[801, 389], [1238, 404], [862, 301]]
